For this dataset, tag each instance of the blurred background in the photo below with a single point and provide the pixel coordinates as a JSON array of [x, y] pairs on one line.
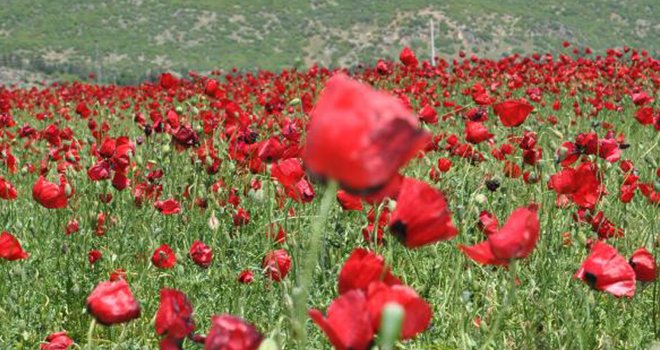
[[127, 41]]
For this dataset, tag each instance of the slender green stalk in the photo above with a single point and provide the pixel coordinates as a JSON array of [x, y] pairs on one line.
[[508, 300], [90, 334], [301, 292]]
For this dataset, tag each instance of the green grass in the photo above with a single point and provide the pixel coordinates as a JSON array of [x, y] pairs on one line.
[[273, 37], [550, 310]]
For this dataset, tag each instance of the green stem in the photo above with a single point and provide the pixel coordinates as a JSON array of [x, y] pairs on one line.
[[301, 292], [508, 299], [656, 329], [90, 333]]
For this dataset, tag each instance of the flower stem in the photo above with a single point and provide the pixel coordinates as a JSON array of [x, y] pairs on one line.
[[90, 334], [301, 292], [508, 299]]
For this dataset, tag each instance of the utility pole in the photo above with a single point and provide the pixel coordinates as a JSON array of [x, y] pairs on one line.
[[98, 60], [432, 43]]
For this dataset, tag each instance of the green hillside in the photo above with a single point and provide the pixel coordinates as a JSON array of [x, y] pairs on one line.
[[126, 39]]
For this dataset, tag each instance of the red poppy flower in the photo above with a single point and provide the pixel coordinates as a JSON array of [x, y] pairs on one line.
[[241, 218], [581, 184], [644, 265], [418, 312], [515, 240], [518, 237], [482, 253], [57, 341], [232, 333], [362, 268], [99, 171], [276, 264], [50, 195], [201, 254], [185, 137], [287, 172], [245, 277], [641, 98], [476, 132], [428, 114], [606, 270], [513, 112], [488, 223], [276, 233], [348, 201], [164, 257], [10, 248], [444, 164], [112, 302], [118, 274], [174, 315], [408, 58], [168, 207], [359, 136], [168, 81], [7, 190], [348, 324], [93, 256], [421, 216]]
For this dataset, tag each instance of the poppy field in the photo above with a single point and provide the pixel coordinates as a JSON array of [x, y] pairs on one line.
[[466, 204]]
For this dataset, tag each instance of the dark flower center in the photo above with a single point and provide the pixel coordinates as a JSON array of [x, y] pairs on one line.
[[398, 228], [590, 279], [493, 185]]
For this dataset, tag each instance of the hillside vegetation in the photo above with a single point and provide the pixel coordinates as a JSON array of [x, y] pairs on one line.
[[127, 40]]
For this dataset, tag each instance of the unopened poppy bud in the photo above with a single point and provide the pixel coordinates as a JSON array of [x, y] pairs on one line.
[[268, 344], [480, 198], [562, 152], [390, 325], [179, 109], [166, 149], [288, 302], [257, 196], [391, 205], [68, 191], [194, 110], [294, 102], [214, 223]]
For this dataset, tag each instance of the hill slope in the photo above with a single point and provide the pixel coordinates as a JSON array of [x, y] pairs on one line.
[[125, 39]]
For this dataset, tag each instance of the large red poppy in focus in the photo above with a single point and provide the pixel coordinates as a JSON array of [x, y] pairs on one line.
[[360, 137]]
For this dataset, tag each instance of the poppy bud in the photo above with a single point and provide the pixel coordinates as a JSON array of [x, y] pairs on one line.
[[257, 196], [294, 102], [213, 222], [390, 325]]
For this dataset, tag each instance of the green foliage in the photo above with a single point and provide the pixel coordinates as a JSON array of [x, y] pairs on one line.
[[133, 36]]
